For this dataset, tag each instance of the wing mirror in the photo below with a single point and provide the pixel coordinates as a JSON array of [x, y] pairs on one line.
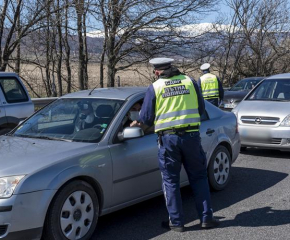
[[131, 132]]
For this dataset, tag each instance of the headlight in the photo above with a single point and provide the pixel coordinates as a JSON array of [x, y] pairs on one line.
[[8, 184], [286, 122]]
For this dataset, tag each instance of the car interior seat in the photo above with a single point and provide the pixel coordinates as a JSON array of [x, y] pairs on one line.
[[104, 114], [283, 92]]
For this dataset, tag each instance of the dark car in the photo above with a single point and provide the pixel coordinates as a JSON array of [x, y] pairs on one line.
[[235, 95]]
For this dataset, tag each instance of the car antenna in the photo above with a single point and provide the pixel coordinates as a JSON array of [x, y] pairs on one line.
[[92, 90]]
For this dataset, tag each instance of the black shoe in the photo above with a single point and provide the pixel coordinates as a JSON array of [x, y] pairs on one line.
[[210, 224], [169, 226]]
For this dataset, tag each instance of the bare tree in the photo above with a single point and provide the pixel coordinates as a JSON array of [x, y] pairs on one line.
[[131, 28], [265, 29], [67, 46], [31, 11]]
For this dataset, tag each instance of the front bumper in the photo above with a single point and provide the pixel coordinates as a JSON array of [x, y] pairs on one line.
[[265, 137], [24, 214]]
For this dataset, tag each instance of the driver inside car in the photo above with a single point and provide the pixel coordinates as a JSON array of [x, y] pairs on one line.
[[86, 116], [133, 115]]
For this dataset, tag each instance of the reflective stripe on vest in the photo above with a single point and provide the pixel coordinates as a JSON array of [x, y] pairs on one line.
[[176, 103], [209, 86]]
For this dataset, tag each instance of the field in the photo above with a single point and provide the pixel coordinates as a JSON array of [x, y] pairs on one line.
[[139, 75]]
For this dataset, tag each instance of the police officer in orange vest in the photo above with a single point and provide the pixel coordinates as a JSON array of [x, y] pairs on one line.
[[173, 104], [210, 86]]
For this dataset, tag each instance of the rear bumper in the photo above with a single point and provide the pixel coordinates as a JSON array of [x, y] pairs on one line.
[[265, 137], [236, 146]]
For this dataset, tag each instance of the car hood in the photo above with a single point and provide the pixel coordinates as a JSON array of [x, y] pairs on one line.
[[235, 95], [263, 109], [26, 155]]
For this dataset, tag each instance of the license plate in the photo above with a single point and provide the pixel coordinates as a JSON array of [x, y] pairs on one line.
[[230, 106], [255, 134]]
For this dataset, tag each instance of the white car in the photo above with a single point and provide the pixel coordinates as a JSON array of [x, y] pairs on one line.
[[264, 115], [15, 103]]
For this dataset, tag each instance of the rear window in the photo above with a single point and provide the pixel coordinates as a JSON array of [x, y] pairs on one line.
[[13, 90], [272, 90]]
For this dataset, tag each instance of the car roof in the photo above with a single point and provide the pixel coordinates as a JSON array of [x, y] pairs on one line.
[[8, 74], [121, 93], [280, 76], [252, 78]]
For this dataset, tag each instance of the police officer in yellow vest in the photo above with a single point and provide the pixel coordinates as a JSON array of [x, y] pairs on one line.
[[174, 105], [210, 86]]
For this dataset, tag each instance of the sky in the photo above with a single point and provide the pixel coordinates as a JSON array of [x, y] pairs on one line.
[[211, 17]]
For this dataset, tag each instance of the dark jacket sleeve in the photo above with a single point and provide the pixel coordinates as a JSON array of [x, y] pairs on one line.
[[147, 114], [201, 107], [199, 84], [221, 89]]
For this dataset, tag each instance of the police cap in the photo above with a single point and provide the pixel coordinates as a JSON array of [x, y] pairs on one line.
[[161, 63], [205, 66]]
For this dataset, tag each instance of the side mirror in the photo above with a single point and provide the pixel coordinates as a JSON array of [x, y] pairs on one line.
[[131, 132]]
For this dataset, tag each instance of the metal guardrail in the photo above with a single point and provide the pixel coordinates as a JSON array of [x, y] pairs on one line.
[[41, 102]]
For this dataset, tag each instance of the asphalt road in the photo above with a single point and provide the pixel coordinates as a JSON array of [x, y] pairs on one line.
[[255, 205]]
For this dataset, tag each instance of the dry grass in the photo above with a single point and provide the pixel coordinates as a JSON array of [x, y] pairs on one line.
[[139, 75]]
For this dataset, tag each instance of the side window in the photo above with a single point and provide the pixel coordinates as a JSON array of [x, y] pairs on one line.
[[13, 90]]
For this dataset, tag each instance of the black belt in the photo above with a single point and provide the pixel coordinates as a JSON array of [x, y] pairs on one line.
[[178, 130]]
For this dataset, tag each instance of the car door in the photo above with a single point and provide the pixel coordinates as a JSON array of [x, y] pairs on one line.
[[3, 119], [208, 134], [135, 168], [16, 101]]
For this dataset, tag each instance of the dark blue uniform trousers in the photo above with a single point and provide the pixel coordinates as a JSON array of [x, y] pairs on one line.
[[175, 150], [214, 101]]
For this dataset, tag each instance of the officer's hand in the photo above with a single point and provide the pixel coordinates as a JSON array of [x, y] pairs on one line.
[[135, 124]]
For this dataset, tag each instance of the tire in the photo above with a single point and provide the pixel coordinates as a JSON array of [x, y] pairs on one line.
[[219, 168], [242, 149], [73, 213]]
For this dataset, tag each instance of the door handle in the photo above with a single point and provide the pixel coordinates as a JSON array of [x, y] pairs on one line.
[[210, 131]]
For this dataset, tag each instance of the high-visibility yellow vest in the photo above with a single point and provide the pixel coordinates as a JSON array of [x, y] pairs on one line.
[[176, 103], [209, 86]]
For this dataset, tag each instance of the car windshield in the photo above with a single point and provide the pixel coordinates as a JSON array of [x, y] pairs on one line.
[[245, 85], [80, 120], [272, 90]]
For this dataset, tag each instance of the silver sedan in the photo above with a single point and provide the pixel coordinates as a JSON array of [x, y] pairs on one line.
[[264, 116], [76, 160]]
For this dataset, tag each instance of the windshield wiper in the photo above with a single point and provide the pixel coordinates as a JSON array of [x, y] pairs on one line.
[[43, 137], [52, 138], [269, 99], [279, 100]]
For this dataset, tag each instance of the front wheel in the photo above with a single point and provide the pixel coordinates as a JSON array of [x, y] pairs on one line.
[[73, 213], [219, 168]]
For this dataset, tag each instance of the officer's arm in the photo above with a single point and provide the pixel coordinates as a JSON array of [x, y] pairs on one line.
[[221, 89], [199, 84], [147, 114], [201, 107]]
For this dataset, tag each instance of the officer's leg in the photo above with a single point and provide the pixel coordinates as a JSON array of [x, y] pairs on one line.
[[214, 101], [170, 166], [194, 161]]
